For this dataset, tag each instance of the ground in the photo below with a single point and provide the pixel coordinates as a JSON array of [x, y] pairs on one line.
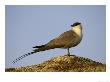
[[63, 64]]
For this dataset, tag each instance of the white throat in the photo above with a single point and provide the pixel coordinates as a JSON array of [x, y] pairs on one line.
[[78, 30]]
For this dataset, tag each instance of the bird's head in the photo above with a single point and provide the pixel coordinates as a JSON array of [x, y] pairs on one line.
[[76, 25], [77, 28]]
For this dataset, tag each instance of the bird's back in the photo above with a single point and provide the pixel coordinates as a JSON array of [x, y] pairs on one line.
[[65, 40]]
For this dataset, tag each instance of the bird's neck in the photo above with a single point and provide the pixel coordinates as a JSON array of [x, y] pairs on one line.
[[78, 30]]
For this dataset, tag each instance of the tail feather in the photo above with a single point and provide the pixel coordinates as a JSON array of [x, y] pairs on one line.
[[23, 56], [38, 46]]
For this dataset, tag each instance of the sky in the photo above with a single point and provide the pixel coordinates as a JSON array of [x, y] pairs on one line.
[[28, 26]]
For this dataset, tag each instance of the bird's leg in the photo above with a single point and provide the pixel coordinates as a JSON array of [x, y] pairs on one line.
[[68, 52]]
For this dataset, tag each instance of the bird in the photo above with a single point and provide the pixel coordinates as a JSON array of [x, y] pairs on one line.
[[66, 40]]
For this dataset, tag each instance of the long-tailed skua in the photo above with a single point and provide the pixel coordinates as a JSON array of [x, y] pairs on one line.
[[66, 40]]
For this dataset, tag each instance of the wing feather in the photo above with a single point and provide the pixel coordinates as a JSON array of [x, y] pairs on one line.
[[65, 39]]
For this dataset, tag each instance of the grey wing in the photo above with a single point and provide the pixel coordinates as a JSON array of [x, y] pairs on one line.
[[64, 40], [70, 38], [67, 34]]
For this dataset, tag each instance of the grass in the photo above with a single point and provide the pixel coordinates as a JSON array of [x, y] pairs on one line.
[[63, 64]]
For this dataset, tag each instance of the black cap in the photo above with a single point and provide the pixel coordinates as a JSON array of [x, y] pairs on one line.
[[75, 24]]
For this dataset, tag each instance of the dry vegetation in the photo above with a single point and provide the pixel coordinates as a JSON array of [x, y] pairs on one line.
[[63, 64]]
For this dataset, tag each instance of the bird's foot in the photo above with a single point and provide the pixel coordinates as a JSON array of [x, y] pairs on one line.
[[69, 55]]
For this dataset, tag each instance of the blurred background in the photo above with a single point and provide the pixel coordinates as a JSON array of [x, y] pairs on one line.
[[28, 26]]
